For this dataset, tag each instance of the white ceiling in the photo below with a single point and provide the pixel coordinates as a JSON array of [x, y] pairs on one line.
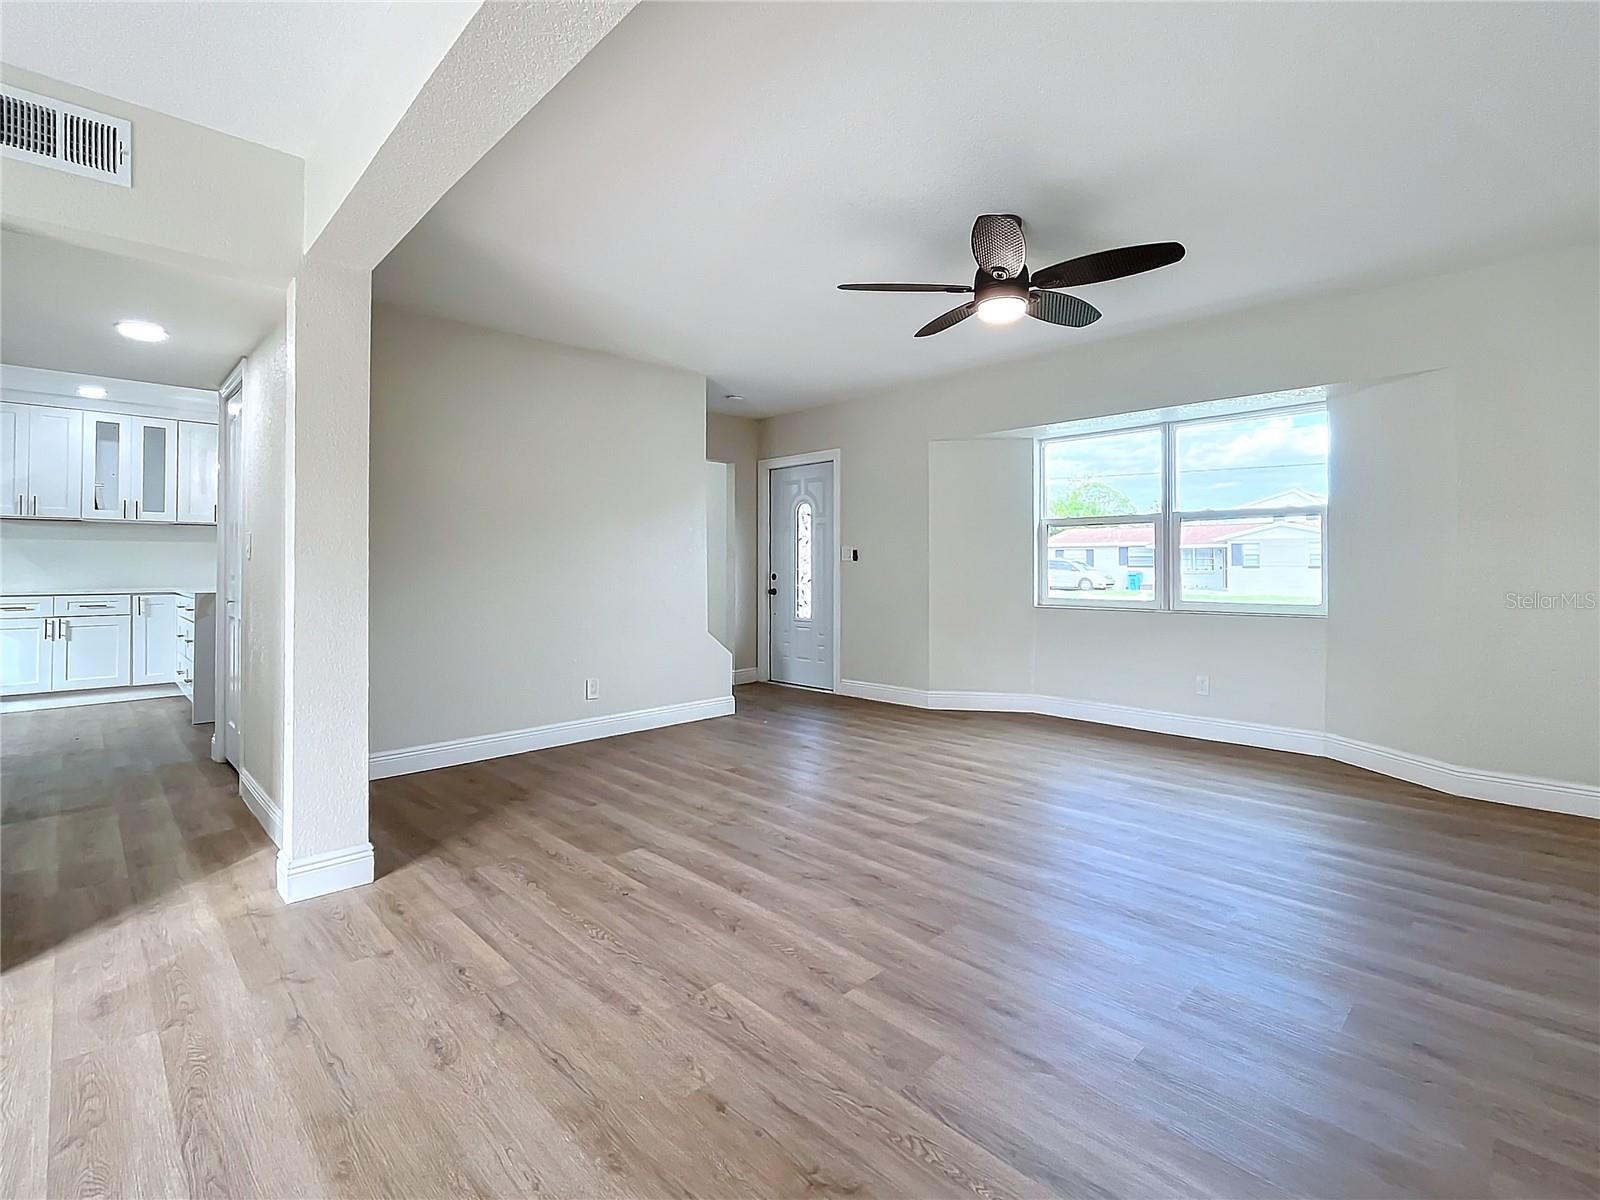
[[265, 72], [691, 193], [58, 303]]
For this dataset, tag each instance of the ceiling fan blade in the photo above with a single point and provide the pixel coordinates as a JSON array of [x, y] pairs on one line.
[[1108, 264], [1062, 310], [998, 245], [956, 289], [954, 317]]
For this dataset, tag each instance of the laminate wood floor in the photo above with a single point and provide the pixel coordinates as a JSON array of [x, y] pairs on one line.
[[823, 947]]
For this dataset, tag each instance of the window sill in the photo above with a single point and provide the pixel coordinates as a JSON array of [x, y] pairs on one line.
[[1107, 606]]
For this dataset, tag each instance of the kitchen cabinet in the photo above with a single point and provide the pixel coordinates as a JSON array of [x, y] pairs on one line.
[[40, 467], [155, 471], [130, 468], [155, 639], [24, 656], [102, 641], [197, 473], [69, 464], [90, 652]]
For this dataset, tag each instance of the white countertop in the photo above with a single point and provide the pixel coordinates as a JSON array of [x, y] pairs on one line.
[[118, 591]]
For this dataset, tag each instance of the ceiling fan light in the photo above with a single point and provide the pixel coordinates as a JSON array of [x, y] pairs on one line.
[[1002, 310]]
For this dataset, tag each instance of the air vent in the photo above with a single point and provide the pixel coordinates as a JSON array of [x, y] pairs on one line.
[[53, 133]]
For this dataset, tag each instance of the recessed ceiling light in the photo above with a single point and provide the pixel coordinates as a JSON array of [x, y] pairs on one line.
[[142, 331], [91, 391], [734, 398]]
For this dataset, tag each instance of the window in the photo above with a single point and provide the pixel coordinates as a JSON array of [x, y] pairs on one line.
[[802, 561], [1213, 513]]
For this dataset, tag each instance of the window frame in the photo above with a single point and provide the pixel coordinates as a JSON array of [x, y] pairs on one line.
[[1167, 527]]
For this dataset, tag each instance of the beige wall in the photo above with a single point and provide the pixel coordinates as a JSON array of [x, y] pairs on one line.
[[736, 440], [199, 198], [537, 518], [1463, 468], [262, 438]]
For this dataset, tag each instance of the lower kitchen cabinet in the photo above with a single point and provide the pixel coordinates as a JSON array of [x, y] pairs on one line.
[[90, 652], [155, 639], [25, 663]]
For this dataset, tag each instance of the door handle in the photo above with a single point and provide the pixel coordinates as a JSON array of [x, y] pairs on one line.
[[772, 591]]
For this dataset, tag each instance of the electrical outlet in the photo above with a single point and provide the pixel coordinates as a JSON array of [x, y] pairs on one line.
[[1202, 685], [591, 689]]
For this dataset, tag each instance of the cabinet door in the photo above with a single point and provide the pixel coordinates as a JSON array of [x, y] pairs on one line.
[[107, 467], [24, 656], [13, 459], [197, 472], [55, 463], [155, 639], [91, 652], [155, 470]]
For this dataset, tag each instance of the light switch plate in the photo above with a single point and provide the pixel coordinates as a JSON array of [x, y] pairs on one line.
[[591, 689]]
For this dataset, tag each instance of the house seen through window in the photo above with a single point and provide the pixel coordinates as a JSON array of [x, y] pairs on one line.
[[1221, 513]]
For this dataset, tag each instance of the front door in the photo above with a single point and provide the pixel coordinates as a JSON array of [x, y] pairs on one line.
[[800, 589]]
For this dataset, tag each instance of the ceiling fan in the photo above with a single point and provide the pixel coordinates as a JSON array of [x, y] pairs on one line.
[[1003, 291]]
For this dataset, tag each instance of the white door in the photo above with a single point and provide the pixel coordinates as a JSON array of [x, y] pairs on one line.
[[155, 470], [197, 473], [91, 652], [800, 589], [13, 460], [107, 467], [24, 656], [155, 639], [54, 464], [232, 515]]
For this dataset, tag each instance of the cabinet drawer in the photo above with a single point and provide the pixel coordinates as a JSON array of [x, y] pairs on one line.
[[26, 606], [93, 606]]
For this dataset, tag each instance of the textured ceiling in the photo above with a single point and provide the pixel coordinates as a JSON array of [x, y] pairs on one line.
[[60, 302], [692, 191], [265, 72]]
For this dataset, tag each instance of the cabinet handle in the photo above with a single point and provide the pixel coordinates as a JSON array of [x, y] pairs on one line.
[[21, 507], [49, 633], [16, 607], [135, 510], [36, 506], [124, 510], [63, 629], [85, 604]]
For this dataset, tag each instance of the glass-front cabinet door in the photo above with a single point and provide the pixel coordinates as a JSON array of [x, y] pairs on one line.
[[155, 451], [107, 467]]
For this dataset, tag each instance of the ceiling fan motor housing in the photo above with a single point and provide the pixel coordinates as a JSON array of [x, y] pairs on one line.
[[984, 288]]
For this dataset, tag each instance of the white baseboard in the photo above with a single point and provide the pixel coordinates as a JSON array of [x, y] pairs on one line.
[[746, 675], [118, 695], [431, 757], [1523, 791], [318, 874], [262, 805]]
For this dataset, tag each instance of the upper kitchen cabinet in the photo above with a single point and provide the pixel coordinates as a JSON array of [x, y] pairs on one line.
[[155, 493], [40, 464], [197, 473], [130, 468], [107, 466]]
